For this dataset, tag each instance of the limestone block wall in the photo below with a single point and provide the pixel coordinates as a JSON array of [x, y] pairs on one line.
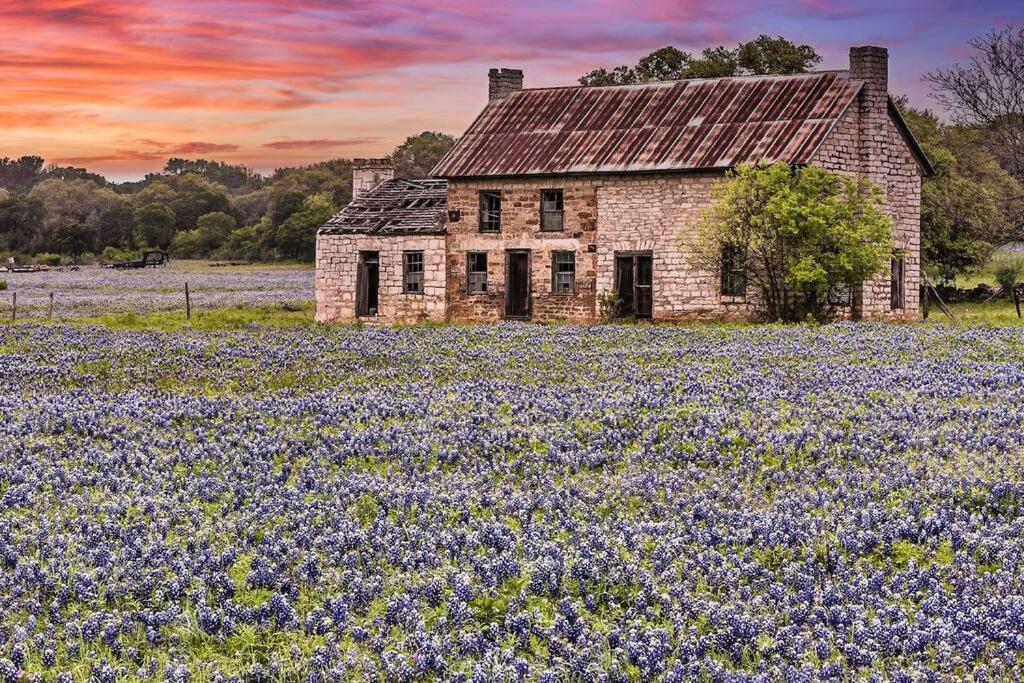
[[337, 258], [895, 170], [520, 229], [602, 215], [660, 214]]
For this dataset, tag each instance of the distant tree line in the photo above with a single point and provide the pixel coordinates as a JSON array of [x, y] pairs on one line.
[[975, 201], [195, 208]]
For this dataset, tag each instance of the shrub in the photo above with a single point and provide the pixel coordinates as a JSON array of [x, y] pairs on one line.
[[794, 236], [1008, 270], [48, 259], [115, 255]]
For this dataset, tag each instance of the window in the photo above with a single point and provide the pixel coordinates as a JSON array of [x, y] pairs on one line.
[[563, 272], [896, 291], [476, 272], [734, 271], [490, 210], [412, 272], [551, 210]]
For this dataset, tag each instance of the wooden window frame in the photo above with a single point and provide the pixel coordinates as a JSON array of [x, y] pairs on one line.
[[470, 257], [413, 277], [898, 282], [490, 219], [555, 272], [734, 273], [546, 213]]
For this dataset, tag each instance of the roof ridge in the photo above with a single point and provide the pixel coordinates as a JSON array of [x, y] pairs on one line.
[[805, 74]]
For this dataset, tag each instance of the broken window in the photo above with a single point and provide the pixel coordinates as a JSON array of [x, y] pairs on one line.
[[734, 271], [563, 272], [412, 272], [551, 210], [490, 210], [896, 291], [476, 272]]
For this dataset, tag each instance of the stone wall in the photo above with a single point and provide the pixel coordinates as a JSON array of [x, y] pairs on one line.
[[602, 215], [866, 143], [520, 229], [337, 258]]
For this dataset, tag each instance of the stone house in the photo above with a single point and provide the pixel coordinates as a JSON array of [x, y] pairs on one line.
[[557, 197]]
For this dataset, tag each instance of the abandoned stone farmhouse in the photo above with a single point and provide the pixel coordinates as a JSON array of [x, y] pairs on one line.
[[556, 197]]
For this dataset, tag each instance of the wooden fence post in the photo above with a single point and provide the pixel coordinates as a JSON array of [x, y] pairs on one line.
[[188, 304], [49, 311]]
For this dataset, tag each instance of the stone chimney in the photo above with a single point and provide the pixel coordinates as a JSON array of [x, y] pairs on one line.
[[503, 82], [369, 173], [871, 65]]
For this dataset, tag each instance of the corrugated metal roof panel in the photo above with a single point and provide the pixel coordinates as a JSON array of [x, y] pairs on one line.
[[679, 125]]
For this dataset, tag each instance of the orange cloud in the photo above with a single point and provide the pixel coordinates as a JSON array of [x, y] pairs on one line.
[[319, 144]]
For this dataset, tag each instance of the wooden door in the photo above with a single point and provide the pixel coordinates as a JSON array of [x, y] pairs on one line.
[[517, 284], [634, 281]]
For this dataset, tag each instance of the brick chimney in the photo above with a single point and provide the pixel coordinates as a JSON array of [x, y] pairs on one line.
[[369, 173], [503, 82]]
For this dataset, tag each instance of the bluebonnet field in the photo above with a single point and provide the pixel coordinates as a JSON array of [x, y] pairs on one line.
[[512, 503], [93, 291]]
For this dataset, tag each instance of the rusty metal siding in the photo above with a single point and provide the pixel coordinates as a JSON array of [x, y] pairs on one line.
[[682, 125]]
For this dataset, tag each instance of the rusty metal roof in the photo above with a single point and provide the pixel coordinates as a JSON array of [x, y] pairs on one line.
[[395, 207], [667, 126]]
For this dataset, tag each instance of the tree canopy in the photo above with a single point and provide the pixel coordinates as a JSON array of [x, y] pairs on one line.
[[762, 55], [971, 204], [415, 157]]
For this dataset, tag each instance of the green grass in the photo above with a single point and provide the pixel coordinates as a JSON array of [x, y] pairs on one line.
[[211, 320], [998, 312]]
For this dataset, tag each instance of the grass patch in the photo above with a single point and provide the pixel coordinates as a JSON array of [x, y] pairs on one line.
[[212, 320], [998, 313]]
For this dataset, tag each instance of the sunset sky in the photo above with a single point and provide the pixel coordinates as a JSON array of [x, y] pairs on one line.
[[119, 86]]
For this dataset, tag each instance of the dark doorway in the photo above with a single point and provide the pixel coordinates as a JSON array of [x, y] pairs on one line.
[[368, 283], [633, 282], [517, 284]]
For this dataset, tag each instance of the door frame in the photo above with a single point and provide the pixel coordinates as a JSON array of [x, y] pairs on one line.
[[362, 286], [633, 254], [529, 284]]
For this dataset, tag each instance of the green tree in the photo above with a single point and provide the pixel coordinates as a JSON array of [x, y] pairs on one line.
[[970, 204], [20, 175], [762, 55], [418, 155], [798, 234], [1008, 270], [296, 237], [154, 225], [75, 208], [21, 218]]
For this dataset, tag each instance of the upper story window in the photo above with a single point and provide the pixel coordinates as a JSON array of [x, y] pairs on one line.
[[476, 272], [551, 210], [897, 291], [412, 272], [563, 272], [734, 271], [490, 210]]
